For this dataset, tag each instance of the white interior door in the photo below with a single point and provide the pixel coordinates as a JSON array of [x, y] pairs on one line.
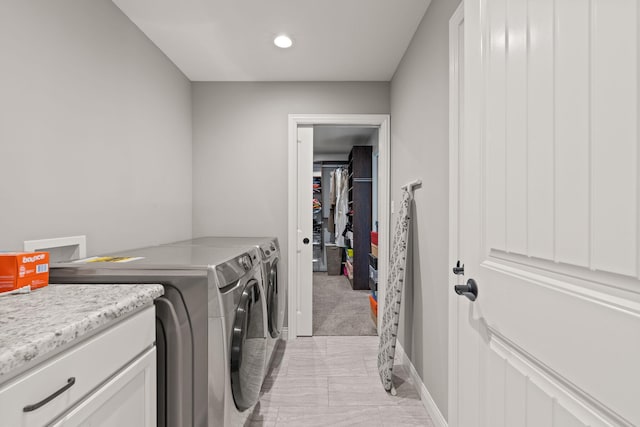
[[549, 215], [304, 245]]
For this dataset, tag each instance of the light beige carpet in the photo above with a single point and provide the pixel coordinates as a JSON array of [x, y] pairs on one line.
[[339, 310]]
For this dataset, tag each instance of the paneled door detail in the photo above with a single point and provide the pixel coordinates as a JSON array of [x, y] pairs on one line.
[[549, 214]]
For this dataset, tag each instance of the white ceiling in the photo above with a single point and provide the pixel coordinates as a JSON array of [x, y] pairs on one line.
[[340, 139], [232, 40]]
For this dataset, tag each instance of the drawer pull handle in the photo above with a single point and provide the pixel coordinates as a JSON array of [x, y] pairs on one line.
[[70, 382]]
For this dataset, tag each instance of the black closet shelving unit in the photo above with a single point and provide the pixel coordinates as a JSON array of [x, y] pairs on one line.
[[360, 183]]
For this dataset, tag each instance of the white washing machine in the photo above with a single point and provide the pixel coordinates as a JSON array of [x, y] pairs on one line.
[[276, 297]]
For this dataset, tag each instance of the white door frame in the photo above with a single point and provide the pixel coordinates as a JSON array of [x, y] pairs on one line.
[[384, 167], [455, 79]]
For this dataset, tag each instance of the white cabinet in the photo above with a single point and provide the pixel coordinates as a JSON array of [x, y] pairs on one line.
[[106, 380], [127, 399]]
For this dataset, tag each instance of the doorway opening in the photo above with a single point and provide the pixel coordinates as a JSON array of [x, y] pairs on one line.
[[338, 244], [345, 217]]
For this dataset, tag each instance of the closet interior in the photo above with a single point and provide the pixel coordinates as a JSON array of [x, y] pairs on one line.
[[344, 224]]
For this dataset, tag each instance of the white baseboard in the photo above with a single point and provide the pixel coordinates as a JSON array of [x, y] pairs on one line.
[[428, 402]]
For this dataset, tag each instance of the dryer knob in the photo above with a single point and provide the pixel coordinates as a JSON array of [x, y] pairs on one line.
[[245, 262]]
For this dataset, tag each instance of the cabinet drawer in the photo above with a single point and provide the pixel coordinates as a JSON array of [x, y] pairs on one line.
[[89, 363], [127, 399]]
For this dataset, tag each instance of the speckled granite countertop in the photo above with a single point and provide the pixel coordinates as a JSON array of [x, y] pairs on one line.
[[34, 324]]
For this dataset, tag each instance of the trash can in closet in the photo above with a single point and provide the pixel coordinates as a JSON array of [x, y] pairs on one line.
[[334, 259]]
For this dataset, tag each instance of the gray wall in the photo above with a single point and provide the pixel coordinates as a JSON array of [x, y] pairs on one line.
[[419, 149], [240, 149], [95, 129]]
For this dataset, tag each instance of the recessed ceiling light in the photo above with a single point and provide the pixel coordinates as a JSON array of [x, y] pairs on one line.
[[283, 41]]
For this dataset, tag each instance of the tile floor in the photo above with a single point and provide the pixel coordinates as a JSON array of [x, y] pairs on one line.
[[333, 381]]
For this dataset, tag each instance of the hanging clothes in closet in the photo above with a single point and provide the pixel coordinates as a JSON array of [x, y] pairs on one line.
[[332, 187], [342, 204]]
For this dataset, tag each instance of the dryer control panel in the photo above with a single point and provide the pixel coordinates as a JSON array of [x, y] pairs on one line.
[[245, 262], [231, 271]]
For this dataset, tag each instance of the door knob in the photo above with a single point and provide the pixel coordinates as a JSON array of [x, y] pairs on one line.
[[470, 290], [305, 240]]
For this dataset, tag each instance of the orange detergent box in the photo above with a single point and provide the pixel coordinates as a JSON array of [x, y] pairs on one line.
[[20, 269]]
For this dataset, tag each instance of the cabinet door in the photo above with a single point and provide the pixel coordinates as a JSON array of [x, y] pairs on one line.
[[89, 363], [128, 399]]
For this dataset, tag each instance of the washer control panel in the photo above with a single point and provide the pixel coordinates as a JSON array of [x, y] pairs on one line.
[[245, 262]]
